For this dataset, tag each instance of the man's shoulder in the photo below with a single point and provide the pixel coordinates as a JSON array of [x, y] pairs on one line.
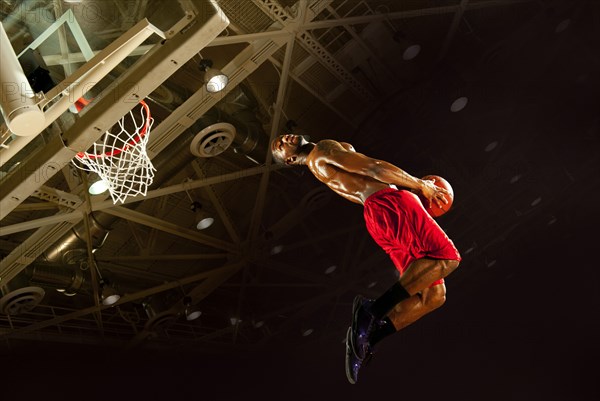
[[324, 150], [327, 142], [329, 145], [330, 151]]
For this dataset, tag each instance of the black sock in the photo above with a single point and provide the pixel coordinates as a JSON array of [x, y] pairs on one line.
[[386, 329], [388, 300]]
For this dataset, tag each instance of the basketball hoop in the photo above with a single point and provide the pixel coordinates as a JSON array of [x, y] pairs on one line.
[[120, 160]]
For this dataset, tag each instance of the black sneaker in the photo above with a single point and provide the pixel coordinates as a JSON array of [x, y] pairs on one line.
[[353, 362], [363, 324]]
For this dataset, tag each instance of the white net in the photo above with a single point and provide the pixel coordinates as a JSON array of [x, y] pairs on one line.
[[120, 159]]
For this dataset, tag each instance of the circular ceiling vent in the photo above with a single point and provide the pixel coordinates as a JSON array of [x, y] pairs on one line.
[[21, 301], [159, 320], [213, 140]]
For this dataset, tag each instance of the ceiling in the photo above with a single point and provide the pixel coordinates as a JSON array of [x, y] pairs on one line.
[[284, 258]]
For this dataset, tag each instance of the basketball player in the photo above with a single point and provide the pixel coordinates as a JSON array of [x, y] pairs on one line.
[[397, 221]]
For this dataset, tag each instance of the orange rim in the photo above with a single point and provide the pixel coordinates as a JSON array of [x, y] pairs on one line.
[[132, 142]]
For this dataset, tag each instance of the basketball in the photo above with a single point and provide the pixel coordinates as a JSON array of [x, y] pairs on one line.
[[434, 210]]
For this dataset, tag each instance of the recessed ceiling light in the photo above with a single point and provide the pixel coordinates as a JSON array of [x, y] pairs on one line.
[[562, 25], [307, 332], [459, 104], [276, 249], [515, 178], [411, 52], [330, 269], [491, 146], [536, 201]]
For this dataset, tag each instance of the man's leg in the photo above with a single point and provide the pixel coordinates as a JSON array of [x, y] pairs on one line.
[[412, 298], [418, 276], [403, 314], [422, 272], [368, 316], [412, 309]]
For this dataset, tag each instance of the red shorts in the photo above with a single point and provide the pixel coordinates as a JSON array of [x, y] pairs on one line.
[[398, 222]]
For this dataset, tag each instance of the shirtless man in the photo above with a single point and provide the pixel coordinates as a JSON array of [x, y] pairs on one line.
[[397, 221]]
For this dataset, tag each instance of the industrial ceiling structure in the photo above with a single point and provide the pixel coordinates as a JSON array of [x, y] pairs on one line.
[[448, 87]]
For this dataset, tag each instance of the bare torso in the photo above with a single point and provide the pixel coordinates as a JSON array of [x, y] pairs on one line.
[[353, 186]]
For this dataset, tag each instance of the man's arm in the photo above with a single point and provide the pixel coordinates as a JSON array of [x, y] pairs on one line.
[[358, 163]]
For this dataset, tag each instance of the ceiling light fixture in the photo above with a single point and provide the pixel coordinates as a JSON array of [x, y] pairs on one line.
[[563, 25], [491, 146], [109, 295], [203, 219], [411, 49], [307, 332], [191, 312], [276, 249], [214, 79], [98, 187], [330, 269], [515, 178], [459, 104]]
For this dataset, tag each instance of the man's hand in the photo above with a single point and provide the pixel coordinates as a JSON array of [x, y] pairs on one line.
[[433, 193]]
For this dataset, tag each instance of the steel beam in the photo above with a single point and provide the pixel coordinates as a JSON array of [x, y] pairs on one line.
[[168, 227], [364, 19], [189, 185], [453, 28], [264, 182], [312, 45]]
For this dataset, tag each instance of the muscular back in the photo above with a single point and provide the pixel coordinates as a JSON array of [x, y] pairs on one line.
[[348, 173]]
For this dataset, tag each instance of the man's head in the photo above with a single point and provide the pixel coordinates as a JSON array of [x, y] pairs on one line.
[[288, 149]]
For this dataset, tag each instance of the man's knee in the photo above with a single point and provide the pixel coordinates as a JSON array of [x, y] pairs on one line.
[[436, 297], [448, 266]]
